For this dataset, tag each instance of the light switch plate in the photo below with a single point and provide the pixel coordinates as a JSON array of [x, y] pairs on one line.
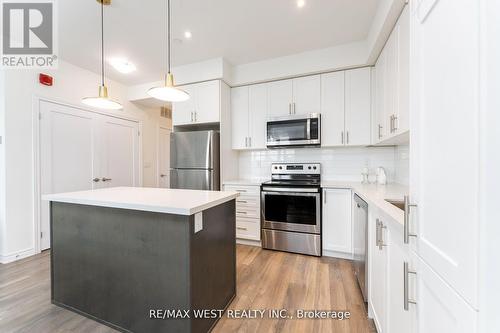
[[198, 222]]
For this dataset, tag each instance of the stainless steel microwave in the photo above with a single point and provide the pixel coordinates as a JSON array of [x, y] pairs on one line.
[[294, 131]]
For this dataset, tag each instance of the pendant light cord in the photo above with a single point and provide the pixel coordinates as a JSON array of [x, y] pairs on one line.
[[102, 41], [168, 36]]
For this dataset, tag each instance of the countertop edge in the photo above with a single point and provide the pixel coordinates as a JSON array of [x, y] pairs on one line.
[[142, 207]]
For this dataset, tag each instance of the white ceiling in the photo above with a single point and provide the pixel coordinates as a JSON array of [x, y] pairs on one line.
[[241, 31]]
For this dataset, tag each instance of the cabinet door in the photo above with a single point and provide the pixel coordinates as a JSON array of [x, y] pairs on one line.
[[208, 102], [391, 82], [280, 98], [332, 109], [380, 100], [378, 277], [182, 112], [439, 308], [445, 140], [399, 320], [307, 95], [402, 122], [337, 220], [258, 95], [239, 117], [358, 107]]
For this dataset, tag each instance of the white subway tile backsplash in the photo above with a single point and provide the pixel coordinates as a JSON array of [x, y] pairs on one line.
[[336, 163]]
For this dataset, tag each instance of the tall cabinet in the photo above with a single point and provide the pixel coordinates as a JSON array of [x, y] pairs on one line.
[[445, 102]]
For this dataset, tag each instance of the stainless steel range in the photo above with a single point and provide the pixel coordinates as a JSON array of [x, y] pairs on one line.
[[291, 209]]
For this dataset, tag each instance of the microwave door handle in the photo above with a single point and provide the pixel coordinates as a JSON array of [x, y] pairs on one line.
[[308, 128]]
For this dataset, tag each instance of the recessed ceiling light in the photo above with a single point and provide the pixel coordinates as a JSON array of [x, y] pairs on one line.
[[301, 3], [188, 34], [122, 65]]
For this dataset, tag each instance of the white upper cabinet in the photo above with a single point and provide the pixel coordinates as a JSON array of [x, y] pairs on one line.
[[358, 107], [182, 112], [295, 97], [346, 108], [203, 106], [280, 98], [392, 84], [249, 115], [445, 156], [306, 95], [239, 117], [258, 113], [208, 102], [337, 222], [332, 109]]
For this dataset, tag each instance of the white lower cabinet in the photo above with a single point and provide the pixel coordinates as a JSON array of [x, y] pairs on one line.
[[337, 222], [438, 307], [378, 272], [247, 211], [387, 256]]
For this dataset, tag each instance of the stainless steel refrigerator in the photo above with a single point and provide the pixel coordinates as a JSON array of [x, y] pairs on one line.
[[194, 160]]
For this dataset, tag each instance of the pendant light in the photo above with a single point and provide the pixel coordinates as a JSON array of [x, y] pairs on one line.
[[102, 101], [168, 92]]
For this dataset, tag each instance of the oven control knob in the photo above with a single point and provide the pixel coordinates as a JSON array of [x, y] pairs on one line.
[[314, 168], [281, 168], [309, 168]]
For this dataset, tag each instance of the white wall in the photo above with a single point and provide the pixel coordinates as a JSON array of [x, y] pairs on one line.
[[336, 163], [21, 86]]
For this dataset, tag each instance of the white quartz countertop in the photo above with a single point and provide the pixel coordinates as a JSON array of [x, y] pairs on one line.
[[161, 200], [376, 195]]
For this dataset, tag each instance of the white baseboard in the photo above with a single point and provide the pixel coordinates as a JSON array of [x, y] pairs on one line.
[[335, 254], [248, 242], [5, 259]]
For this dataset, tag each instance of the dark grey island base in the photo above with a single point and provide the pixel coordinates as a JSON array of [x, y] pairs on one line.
[[116, 265]]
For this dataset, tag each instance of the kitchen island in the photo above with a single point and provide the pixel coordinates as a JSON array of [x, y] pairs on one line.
[[121, 254]]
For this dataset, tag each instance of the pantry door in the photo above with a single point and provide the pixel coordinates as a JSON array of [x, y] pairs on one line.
[[67, 156], [82, 150], [119, 152]]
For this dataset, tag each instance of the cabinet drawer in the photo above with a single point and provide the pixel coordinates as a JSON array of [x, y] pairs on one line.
[[248, 229], [244, 190], [248, 212], [248, 201]]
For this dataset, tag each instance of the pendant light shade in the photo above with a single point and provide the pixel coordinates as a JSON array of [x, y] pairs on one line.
[[102, 101], [168, 92]]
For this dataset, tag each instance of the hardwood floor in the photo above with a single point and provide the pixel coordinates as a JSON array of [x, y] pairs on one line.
[[266, 280]]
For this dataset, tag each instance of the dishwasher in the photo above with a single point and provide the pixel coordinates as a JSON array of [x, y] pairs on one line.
[[360, 240]]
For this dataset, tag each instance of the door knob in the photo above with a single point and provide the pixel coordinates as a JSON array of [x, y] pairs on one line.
[[163, 176], [104, 179], [96, 180]]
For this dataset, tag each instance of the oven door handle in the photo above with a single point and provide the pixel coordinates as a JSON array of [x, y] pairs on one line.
[[285, 190]]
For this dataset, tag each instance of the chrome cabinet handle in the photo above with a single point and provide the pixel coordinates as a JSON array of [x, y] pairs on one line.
[[324, 197], [379, 234], [342, 137], [246, 142], [347, 135], [241, 228], [104, 179], [379, 131], [241, 191], [241, 213], [391, 123], [289, 108], [406, 272], [241, 201], [395, 122], [250, 141], [406, 224], [293, 108], [96, 180]]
